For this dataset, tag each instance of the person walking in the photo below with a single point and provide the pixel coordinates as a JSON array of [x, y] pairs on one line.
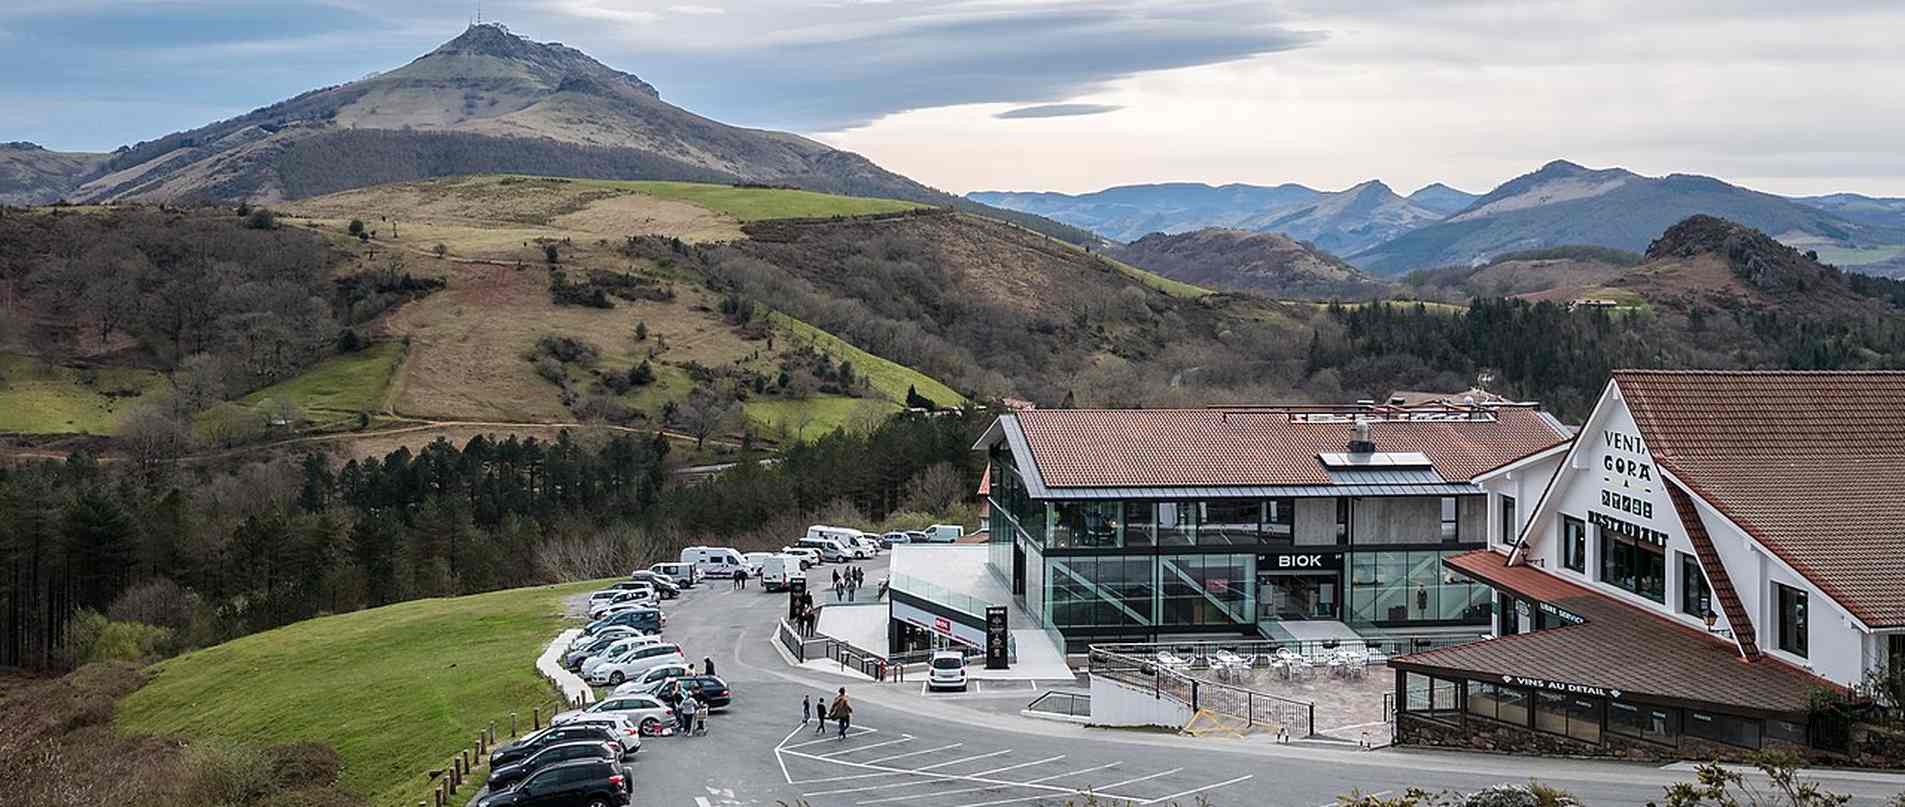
[[842, 711], [839, 589], [806, 709], [740, 578], [820, 712], [690, 706]]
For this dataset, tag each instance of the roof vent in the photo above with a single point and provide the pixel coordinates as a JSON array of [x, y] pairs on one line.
[[1359, 442]]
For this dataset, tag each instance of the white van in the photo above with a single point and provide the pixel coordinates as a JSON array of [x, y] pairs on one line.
[[944, 533], [808, 557], [713, 561], [777, 569], [832, 550], [685, 575], [848, 537]]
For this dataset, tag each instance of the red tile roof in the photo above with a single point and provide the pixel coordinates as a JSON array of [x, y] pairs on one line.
[[1811, 464], [1619, 647], [1211, 447]]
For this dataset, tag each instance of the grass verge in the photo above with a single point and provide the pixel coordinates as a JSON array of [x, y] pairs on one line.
[[395, 689]]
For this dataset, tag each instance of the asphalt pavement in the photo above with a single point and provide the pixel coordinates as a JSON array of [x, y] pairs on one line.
[[909, 748]]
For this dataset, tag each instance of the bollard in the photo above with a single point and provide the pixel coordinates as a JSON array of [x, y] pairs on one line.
[[492, 732], [466, 760], [439, 793], [535, 719], [512, 725]]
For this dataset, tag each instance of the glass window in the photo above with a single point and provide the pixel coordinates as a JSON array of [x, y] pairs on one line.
[[1229, 521], [1652, 723], [1279, 518], [1550, 716], [1695, 599], [1740, 731], [1636, 566], [1450, 527], [1792, 619], [1140, 523], [1569, 716], [1342, 519], [1208, 589], [1508, 519], [1574, 543], [1085, 524], [1482, 700], [1512, 705], [1176, 524], [1099, 592], [1415, 692]]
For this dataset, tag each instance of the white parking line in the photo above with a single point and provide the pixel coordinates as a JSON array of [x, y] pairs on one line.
[[1072, 773], [914, 753], [903, 739], [937, 766], [1195, 790], [958, 777], [1094, 791], [931, 767], [830, 739], [939, 793]]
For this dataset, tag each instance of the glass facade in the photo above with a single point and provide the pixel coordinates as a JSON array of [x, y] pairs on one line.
[[1396, 587], [1111, 591], [1208, 589], [1637, 566]]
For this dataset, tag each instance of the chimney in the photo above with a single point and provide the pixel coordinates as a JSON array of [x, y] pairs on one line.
[[1359, 442]]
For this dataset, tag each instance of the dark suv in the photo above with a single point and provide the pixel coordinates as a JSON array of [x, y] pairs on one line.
[[574, 783], [503, 776], [708, 689], [570, 732]]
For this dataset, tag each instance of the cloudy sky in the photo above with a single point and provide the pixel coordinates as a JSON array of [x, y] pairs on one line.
[[1077, 95]]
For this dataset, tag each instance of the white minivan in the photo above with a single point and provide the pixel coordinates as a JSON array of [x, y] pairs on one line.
[[713, 561], [775, 569], [832, 550], [944, 533], [848, 537]]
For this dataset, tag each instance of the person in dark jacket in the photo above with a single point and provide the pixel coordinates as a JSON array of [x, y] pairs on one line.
[[820, 711]]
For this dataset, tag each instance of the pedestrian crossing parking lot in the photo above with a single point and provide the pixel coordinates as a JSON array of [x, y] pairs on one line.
[[872, 767]]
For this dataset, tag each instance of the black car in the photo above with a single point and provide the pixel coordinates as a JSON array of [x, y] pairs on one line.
[[504, 776], [573, 661], [521, 749], [708, 689], [572, 783]]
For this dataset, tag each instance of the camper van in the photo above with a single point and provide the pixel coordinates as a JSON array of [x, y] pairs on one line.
[[848, 537], [832, 550], [713, 561], [944, 533]]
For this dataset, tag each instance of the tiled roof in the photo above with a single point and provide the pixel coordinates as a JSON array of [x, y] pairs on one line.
[[1082, 448], [1811, 464], [1619, 647]]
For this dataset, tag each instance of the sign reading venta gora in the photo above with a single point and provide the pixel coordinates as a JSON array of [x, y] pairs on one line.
[[1560, 686]]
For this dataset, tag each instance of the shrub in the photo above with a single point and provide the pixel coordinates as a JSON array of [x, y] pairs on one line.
[[158, 602], [550, 369], [440, 250], [356, 228], [261, 219], [642, 375], [348, 341], [551, 253]]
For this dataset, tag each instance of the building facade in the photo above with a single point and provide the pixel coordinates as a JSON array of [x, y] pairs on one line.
[[1142, 524], [1680, 580]]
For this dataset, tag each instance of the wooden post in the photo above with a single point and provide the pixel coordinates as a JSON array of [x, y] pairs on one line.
[[466, 760], [454, 775], [440, 795], [512, 725], [535, 719]]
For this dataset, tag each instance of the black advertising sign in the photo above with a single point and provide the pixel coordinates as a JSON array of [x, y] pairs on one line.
[[1562, 614], [997, 637], [796, 594], [1300, 562], [1627, 528]]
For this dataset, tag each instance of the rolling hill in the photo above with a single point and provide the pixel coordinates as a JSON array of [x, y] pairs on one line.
[[1274, 264], [487, 101]]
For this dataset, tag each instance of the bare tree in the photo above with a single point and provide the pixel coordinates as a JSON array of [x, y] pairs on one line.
[[704, 414], [154, 437], [935, 489]]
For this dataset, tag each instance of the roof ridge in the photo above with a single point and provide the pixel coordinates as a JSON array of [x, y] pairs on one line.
[[1698, 372]]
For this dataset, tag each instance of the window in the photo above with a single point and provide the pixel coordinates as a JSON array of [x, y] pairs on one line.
[[1099, 591], [1431, 697], [1279, 518], [1651, 723], [1229, 521], [1636, 566], [1569, 716], [1508, 519], [1412, 586], [1085, 524], [1497, 702], [1208, 589], [1695, 598], [1342, 520], [1176, 523], [1792, 619], [1450, 528], [1895, 653], [1574, 543], [1140, 523], [1740, 731]]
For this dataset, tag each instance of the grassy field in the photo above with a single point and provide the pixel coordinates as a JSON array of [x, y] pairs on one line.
[[57, 401], [757, 204], [778, 416], [889, 379], [348, 383], [394, 689], [1858, 256]]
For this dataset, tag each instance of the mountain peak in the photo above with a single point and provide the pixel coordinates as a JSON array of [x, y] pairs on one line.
[[489, 39]]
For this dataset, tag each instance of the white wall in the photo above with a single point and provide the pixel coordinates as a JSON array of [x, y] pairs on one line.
[[1114, 703]]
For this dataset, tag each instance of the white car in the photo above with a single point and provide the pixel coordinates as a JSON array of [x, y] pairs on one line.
[[809, 558], [633, 663], [868, 543], [627, 731], [635, 598], [650, 682], [947, 670], [685, 575], [612, 632], [606, 611], [645, 711], [616, 650]]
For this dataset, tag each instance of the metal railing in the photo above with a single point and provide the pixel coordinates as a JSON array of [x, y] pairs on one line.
[[933, 592], [1379, 648], [1060, 702], [1259, 711]]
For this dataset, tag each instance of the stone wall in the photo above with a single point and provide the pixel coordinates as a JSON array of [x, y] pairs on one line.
[[1481, 734]]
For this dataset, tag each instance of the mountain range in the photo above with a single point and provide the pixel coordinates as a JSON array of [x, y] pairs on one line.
[[487, 101], [1562, 203]]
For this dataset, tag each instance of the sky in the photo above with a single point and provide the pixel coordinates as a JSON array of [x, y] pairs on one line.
[[1078, 95]]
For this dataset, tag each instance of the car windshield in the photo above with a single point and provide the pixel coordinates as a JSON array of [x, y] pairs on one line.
[[948, 663]]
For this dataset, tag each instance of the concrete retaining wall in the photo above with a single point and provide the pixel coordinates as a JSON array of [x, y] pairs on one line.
[[1115, 703], [572, 687]]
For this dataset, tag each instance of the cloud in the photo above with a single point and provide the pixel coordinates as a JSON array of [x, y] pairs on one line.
[[1057, 111], [693, 10]]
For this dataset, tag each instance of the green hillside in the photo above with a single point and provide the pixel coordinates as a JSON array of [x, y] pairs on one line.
[[761, 204], [394, 689], [61, 400]]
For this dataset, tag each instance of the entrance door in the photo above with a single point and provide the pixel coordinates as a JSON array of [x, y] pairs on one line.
[[1298, 596], [1018, 569]]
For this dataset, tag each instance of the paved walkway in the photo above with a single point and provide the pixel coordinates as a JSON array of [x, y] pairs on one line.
[[572, 687]]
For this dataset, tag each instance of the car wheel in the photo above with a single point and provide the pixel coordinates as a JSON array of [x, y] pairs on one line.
[[598, 801], [616, 678], [649, 725]]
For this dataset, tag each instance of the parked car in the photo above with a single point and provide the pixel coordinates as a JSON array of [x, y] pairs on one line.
[[809, 556], [650, 682], [848, 537], [634, 662], [634, 598], [685, 575], [830, 550], [947, 670], [644, 710], [520, 750], [868, 543], [892, 539], [614, 651], [571, 783], [916, 536], [572, 660], [944, 533], [713, 561], [709, 689], [775, 569], [502, 778], [613, 632], [626, 731], [646, 620], [666, 585]]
